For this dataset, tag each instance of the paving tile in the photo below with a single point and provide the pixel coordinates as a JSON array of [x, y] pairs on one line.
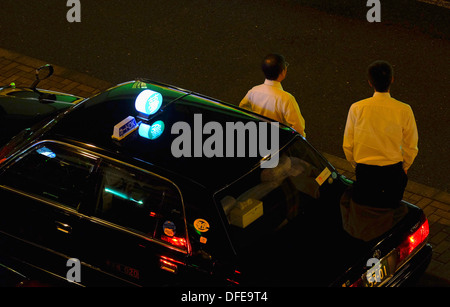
[[9, 66], [440, 205], [436, 227], [415, 198], [27, 69], [422, 203], [11, 72], [442, 247], [25, 60], [421, 189], [443, 213], [435, 266], [429, 210], [444, 271], [85, 88], [438, 238], [444, 257], [443, 197], [446, 223], [69, 87]]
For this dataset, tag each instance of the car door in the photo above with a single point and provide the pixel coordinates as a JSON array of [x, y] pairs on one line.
[[137, 229], [41, 193]]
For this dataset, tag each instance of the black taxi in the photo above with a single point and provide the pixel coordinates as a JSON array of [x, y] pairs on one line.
[[147, 184]]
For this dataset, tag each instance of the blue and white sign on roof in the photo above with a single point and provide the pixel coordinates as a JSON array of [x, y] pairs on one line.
[[148, 102], [152, 132], [124, 128]]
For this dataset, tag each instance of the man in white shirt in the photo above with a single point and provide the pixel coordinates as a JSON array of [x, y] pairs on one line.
[[380, 141], [270, 100]]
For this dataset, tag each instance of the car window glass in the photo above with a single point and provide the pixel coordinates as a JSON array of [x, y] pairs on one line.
[[53, 172], [141, 202], [265, 200]]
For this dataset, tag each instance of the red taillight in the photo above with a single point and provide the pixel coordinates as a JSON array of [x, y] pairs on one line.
[[358, 283], [168, 266], [176, 241], [406, 248], [235, 276], [413, 240]]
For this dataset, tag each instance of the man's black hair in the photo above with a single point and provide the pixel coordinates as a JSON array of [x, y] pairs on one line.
[[380, 75], [272, 66]]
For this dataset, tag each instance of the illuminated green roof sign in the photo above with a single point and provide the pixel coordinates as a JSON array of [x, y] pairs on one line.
[[148, 102], [152, 132]]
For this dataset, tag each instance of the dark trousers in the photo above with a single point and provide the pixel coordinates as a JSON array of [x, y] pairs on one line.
[[379, 186]]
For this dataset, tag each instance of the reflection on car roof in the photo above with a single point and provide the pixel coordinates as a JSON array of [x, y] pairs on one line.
[[93, 122]]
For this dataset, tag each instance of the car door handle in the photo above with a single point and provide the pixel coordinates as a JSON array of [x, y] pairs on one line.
[[63, 227]]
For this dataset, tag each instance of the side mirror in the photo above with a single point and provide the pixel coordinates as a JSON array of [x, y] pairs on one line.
[[42, 73]]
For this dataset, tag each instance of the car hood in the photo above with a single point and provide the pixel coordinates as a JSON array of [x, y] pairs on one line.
[[17, 114]]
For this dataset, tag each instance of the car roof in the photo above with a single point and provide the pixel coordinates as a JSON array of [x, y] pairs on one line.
[[92, 122]]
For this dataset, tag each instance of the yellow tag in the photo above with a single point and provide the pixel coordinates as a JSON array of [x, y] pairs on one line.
[[323, 176], [201, 225]]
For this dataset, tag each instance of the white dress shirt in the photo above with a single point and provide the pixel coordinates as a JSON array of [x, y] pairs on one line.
[[380, 131], [270, 100]]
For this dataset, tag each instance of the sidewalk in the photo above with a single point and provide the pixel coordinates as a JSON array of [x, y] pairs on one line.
[[20, 69], [435, 203]]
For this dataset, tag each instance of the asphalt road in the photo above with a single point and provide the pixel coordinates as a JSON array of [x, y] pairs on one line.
[[214, 47]]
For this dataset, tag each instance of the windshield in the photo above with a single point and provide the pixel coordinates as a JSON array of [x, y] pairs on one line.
[[266, 200]]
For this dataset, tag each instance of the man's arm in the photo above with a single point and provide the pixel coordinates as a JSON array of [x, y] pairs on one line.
[[245, 103], [349, 138], [410, 140], [294, 118]]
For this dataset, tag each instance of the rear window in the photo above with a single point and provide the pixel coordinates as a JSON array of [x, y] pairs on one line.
[[265, 200]]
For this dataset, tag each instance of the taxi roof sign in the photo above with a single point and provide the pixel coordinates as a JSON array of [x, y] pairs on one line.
[[124, 128], [148, 102], [152, 132]]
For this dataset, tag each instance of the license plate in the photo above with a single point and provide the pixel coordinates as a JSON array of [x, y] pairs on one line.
[[379, 272]]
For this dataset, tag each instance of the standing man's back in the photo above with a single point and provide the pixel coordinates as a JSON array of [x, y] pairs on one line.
[[380, 140], [270, 100], [385, 132]]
